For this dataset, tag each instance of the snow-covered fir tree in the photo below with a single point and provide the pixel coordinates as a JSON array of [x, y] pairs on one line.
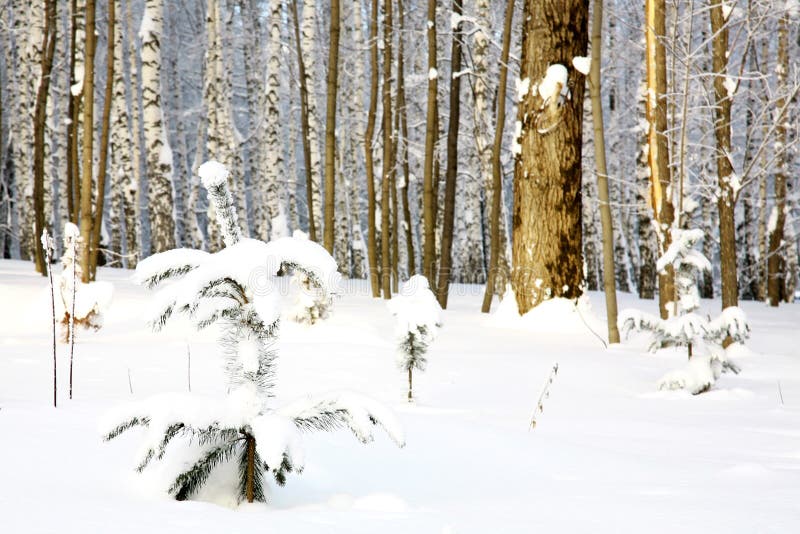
[[234, 289], [418, 315], [702, 337]]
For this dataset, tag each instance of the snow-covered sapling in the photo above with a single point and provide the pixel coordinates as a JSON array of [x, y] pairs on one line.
[[311, 302], [234, 289], [418, 315], [701, 336], [78, 304]]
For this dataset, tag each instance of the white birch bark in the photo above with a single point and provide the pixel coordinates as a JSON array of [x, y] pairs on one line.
[[308, 31], [123, 192], [159, 155], [133, 183]]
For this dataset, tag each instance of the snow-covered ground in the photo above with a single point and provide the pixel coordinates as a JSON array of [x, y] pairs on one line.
[[610, 453]]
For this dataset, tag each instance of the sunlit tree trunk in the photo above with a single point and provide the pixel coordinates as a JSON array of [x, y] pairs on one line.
[[547, 258]]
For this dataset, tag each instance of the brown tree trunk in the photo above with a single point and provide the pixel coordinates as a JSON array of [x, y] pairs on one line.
[[250, 468], [330, 127], [658, 142], [451, 174], [775, 270], [101, 166], [547, 256], [88, 141], [726, 201], [72, 126], [39, 125], [431, 133], [386, 269], [403, 112], [609, 278], [301, 67], [369, 134], [497, 176]]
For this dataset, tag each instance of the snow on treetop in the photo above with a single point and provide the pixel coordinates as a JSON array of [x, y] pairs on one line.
[[213, 173], [681, 251], [310, 256], [148, 271], [71, 230], [416, 306], [554, 83]]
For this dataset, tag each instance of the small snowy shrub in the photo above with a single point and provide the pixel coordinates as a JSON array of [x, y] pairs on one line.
[[233, 288], [90, 300], [418, 315], [312, 301], [702, 337]]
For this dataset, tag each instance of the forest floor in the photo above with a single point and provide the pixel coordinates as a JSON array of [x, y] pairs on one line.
[[610, 453]]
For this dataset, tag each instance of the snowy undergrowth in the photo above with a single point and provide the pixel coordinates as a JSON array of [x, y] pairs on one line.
[[627, 455]]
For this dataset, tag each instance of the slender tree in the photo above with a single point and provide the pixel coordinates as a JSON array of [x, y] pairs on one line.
[[388, 170], [431, 134], [39, 125], [86, 218], [369, 134], [658, 142], [446, 256], [609, 285], [330, 126]]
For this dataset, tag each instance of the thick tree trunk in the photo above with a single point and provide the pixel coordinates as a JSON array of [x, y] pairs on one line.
[[609, 287], [658, 143], [547, 259], [496, 247], [330, 126], [446, 256]]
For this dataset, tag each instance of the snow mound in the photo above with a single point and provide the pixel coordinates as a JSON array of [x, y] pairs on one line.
[[557, 315], [696, 377], [416, 306], [554, 83], [213, 174]]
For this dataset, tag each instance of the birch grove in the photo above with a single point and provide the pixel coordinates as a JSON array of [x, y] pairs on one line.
[[429, 117]]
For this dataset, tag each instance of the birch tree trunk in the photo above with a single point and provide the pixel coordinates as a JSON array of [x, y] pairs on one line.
[[159, 155], [132, 185], [308, 45], [775, 261], [123, 194], [547, 175]]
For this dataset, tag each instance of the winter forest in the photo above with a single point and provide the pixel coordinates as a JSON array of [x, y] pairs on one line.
[[225, 224]]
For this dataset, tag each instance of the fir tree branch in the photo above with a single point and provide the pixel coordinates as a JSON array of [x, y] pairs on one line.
[[128, 424]]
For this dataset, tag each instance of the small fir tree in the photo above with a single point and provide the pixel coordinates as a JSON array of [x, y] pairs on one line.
[[701, 336], [233, 288], [418, 315]]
